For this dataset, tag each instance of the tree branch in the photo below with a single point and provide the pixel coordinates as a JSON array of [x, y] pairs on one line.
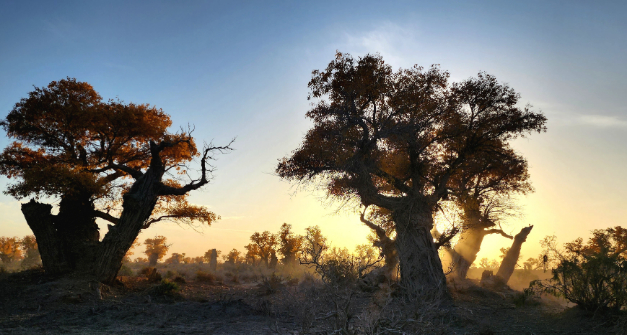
[[106, 216], [497, 231], [196, 184]]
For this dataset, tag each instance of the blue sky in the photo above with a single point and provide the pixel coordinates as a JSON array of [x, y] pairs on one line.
[[240, 69]]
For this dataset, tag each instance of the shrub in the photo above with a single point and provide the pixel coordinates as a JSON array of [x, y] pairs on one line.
[[270, 285], [167, 287], [592, 275], [151, 273], [205, 277], [125, 271]]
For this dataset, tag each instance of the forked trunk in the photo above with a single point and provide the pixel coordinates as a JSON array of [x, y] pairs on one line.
[[511, 258], [422, 276]]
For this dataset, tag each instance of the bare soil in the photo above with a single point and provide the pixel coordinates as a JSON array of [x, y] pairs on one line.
[[33, 303]]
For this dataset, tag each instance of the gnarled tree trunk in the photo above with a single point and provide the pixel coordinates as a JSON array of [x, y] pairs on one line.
[[421, 269], [137, 208], [511, 258]]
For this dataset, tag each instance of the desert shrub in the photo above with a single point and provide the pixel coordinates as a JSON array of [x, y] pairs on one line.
[[151, 273], [525, 297], [179, 280], [271, 284], [591, 275], [125, 271], [166, 287], [205, 277]]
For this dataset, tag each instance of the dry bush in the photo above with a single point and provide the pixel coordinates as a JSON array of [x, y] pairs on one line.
[[151, 273], [592, 275], [205, 277], [271, 284]]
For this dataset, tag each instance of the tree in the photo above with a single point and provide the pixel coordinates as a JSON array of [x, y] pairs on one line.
[[396, 139], [10, 249], [101, 159], [483, 191], [31, 252], [314, 246], [510, 260], [177, 258], [233, 257], [156, 248], [263, 246], [289, 244]]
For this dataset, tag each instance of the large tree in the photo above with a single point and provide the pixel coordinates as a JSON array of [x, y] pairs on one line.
[[101, 159], [395, 140]]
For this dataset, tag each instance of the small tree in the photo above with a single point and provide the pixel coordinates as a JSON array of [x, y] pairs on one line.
[[10, 249], [156, 248], [289, 244], [31, 252], [233, 257], [263, 246]]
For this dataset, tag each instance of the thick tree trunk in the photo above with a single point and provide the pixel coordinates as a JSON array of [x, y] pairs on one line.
[[77, 231], [213, 260], [422, 276], [466, 250], [152, 259], [41, 221], [137, 208], [511, 258]]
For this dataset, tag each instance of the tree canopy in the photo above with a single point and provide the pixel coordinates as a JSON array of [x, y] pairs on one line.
[[68, 141]]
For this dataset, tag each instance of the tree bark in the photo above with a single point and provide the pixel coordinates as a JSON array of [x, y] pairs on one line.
[[422, 276], [511, 258], [41, 221], [137, 207]]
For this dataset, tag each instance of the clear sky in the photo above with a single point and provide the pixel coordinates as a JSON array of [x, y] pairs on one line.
[[240, 69]]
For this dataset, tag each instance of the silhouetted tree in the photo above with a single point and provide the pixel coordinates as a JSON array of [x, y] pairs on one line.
[[512, 254], [289, 244], [156, 248], [396, 139], [233, 257], [263, 246], [483, 192], [100, 159]]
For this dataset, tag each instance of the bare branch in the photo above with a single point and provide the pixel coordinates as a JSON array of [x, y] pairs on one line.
[[106, 216], [497, 231], [196, 184]]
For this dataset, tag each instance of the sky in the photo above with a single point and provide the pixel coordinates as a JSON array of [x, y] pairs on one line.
[[240, 70]]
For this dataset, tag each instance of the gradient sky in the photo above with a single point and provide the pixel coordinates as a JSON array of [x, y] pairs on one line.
[[240, 69]]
